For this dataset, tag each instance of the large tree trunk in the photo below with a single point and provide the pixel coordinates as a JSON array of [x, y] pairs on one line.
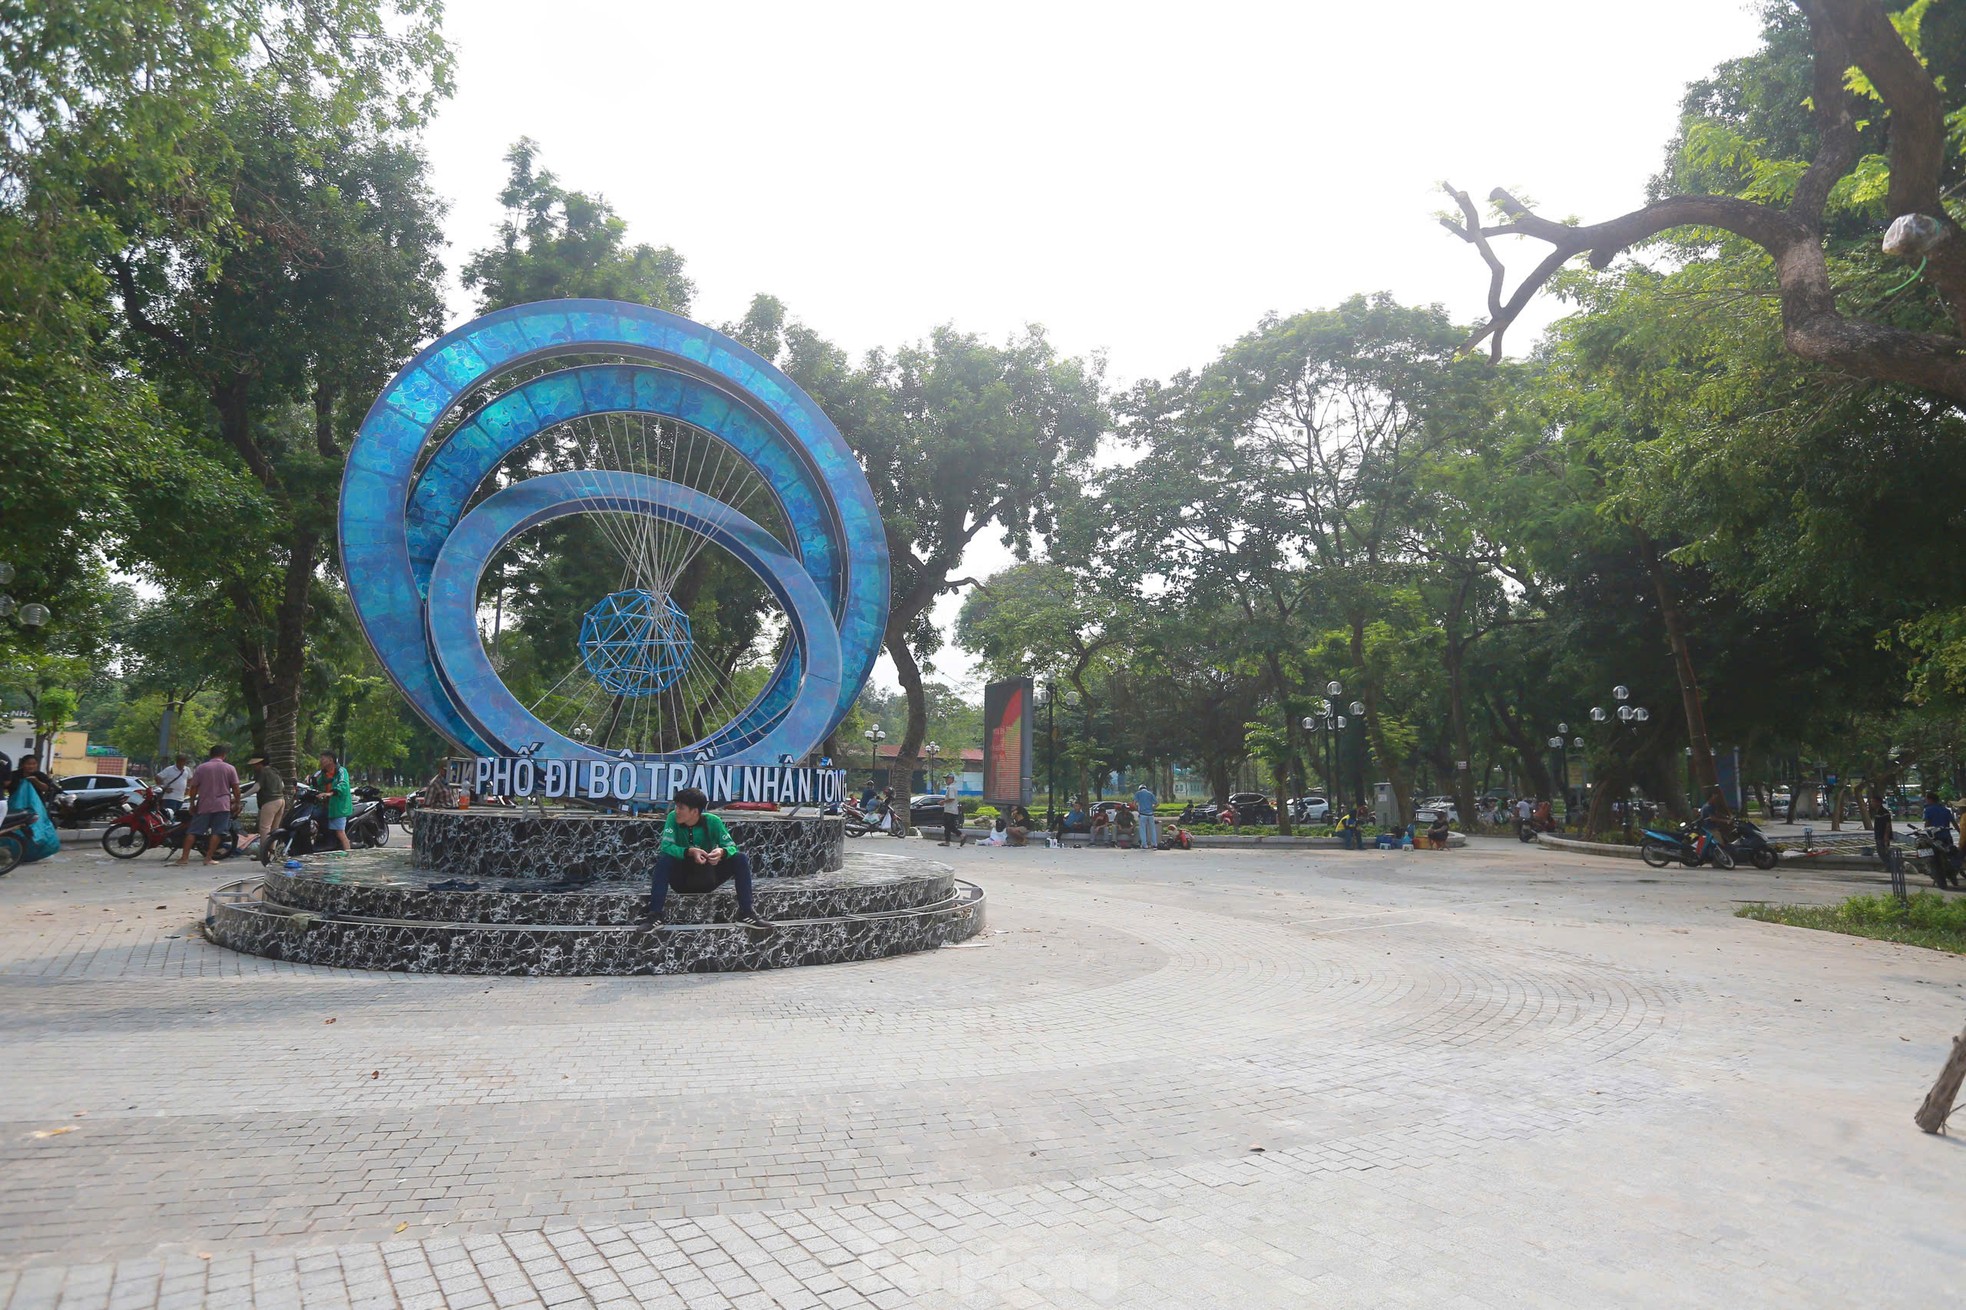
[[1281, 690], [1457, 715], [1704, 777], [909, 674], [1369, 695]]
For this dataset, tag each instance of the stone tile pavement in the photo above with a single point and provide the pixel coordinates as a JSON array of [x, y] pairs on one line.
[[1498, 1077]]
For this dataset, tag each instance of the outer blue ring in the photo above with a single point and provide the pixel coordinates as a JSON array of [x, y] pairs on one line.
[[496, 713], [376, 487]]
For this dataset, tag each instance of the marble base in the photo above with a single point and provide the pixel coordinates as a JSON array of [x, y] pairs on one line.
[[556, 844], [378, 913]]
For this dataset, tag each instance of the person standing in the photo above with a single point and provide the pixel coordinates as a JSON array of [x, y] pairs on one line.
[[174, 778], [270, 789], [332, 781], [214, 795], [952, 812], [1144, 801]]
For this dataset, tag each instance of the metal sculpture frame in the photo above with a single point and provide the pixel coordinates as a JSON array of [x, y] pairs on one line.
[[413, 556]]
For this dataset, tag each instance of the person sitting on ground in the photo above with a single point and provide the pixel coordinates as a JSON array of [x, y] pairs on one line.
[[1018, 828], [1437, 834], [699, 856]]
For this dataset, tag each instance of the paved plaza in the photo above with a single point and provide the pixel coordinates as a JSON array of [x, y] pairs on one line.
[[1498, 1077]]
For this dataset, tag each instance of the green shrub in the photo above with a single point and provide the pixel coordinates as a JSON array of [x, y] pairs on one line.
[[985, 812], [1927, 919]]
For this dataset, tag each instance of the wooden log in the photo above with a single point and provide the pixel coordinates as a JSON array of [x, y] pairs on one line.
[[1944, 1095]]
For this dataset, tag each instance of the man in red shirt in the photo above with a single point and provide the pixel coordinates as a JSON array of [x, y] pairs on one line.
[[214, 795]]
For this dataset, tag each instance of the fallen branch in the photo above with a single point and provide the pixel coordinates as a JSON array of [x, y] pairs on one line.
[[1939, 1102]]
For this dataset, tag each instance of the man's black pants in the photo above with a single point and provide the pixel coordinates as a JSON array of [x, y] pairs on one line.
[[691, 877], [952, 826]]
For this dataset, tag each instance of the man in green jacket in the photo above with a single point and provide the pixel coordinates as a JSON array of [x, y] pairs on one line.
[[333, 781], [698, 855]]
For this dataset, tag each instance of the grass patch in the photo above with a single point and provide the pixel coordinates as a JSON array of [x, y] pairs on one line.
[[1928, 919]]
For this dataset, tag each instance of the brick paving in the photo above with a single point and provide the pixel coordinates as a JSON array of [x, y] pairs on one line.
[[1498, 1077]]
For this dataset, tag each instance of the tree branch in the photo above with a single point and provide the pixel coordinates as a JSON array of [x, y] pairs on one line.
[[132, 298]]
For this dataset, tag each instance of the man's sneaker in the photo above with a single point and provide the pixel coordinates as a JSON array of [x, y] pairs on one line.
[[756, 923], [651, 920]]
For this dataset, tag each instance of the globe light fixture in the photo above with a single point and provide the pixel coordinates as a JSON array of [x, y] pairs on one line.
[[1641, 714], [34, 615], [1577, 743], [1335, 687], [1358, 707], [7, 605], [1308, 724], [1563, 727], [1556, 743], [6, 573], [1597, 714], [1621, 692], [1624, 714], [1341, 720]]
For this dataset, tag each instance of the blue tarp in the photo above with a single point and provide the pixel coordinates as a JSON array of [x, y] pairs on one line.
[[39, 838]]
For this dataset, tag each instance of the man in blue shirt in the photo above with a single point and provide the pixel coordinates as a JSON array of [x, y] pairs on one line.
[[1937, 813], [1144, 801]]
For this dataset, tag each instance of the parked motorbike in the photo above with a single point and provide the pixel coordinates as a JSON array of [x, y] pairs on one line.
[[1749, 844], [1526, 829], [374, 813], [148, 824], [1941, 854], [13, 839], [1690, 846], [75, 810], [878, 818]]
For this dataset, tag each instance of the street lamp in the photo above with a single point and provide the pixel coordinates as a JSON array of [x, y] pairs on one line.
[[875, 736], [932, 750]]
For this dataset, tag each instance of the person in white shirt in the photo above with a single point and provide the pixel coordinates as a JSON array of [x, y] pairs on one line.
[[175, 779], [952, 813]]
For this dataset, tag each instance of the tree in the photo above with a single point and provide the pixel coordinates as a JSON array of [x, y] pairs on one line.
[[269, 340], [1887, 92], [956, 436], [555, 243]]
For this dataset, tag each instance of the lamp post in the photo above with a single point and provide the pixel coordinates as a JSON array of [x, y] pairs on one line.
[[1631, 716], [933, 750], [1358, 756], [875, 736]]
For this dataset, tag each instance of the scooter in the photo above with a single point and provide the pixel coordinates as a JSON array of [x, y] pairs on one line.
[[1690, 846], [1527, 829], [74, 811], [1941, 855], [1749, 844], [148, 825], [13, 839]]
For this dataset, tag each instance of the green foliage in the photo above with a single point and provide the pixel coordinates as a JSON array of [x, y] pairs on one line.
[[1928, 919]]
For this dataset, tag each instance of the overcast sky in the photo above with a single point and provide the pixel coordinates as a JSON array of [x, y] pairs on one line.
[[1144, 180]]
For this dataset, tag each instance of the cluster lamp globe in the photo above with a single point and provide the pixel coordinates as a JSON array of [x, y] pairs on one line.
[[7, 605], [1624, 714], [34, 615], [1577, 743], [1641, 714], [1358, 707], [1621, 692], [1308, 724], [1563, 727], [1341, 720], [6, 573], [1597, 714], [1556, 743], [1335, 687]]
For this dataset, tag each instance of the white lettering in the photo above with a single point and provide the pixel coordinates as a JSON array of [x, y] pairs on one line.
[[597, 779], [556, 778], [523, 780], [484, 774]]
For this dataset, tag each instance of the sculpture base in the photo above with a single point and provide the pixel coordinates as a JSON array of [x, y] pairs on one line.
[[376, 910], [496, 842]]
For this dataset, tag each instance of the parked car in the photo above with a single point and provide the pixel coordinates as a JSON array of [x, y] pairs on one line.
[[1780, 802], [94, 785], [925, 809], [1310, 809], [1434, 805]]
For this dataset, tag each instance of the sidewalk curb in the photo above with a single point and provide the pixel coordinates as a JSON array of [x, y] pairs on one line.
[[1790, 859]]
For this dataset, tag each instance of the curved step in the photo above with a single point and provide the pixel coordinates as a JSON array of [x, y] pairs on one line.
[[382, 889], [241, 919]]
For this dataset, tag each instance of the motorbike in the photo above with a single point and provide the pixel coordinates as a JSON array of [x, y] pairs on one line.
[[1527, 829], [1690, 846], [1941, 854], [71, 810], [388, 810], [148, 824], [13, 839], [306, 830], [860, 822], [1749, 844]]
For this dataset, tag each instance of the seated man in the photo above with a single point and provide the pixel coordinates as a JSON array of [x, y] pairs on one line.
[[1437, 833], [698, 855]]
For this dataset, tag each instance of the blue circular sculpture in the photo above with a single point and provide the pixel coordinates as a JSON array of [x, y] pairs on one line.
[[635, 643], [443, 432]]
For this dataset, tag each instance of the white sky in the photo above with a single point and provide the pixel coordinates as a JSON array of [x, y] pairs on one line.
[[1145, 180]]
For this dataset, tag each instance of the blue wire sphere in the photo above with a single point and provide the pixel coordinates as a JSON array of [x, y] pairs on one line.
[[635, 643]]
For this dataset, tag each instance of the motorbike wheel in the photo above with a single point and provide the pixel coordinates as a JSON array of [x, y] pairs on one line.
[[273, 848], [1525, 834], [1721, 859], [1765, 858], [1656, 854], [125, 841], [382, 833], [10, 854]]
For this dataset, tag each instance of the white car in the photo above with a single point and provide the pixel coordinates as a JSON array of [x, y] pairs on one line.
[[1311, 809], [88, 786], [1434, 805]]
